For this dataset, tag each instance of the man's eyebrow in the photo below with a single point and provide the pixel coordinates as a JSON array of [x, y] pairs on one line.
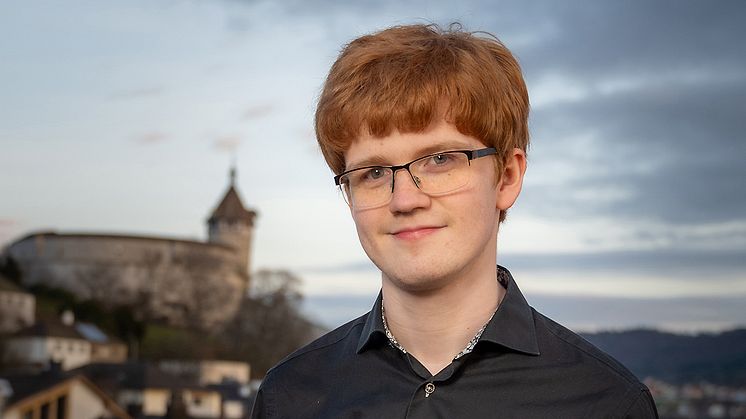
[[444, 146], [374, 160], [380, 160]]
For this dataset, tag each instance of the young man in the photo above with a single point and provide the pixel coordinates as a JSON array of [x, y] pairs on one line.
[[427, 132]]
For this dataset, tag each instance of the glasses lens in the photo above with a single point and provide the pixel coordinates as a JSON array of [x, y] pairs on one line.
[[367, 187], [441, 173]]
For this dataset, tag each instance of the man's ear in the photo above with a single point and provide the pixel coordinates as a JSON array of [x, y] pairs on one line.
[[511, 179]]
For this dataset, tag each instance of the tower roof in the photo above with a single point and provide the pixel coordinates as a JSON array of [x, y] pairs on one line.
[[231, 208]]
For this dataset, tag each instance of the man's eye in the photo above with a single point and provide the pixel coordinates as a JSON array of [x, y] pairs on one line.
[[440, 159], [374, 173]]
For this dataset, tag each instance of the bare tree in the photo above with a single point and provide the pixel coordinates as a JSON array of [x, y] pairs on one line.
[[269, 325]]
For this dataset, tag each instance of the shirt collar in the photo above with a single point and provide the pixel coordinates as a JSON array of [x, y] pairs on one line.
[[512, 326], [373, 328]]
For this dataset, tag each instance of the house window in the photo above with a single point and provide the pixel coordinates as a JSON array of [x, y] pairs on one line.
[[45, 411], [62, 407], [28, 414]]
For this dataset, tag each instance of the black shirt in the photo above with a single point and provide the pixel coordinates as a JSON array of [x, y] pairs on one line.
[[523, 366]]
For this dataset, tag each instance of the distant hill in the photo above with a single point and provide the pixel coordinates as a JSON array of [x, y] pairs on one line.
[[715, 358]]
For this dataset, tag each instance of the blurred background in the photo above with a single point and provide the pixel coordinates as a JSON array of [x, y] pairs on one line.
[[124, 118]]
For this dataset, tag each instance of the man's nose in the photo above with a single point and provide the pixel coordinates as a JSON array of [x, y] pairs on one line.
[[406, 195]]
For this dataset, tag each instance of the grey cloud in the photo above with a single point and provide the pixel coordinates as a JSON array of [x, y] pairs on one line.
[[689, 140], [623, 37], [684, 264], [136, 93], [580, 313], [681, 264], [150, 138], [689, 134]]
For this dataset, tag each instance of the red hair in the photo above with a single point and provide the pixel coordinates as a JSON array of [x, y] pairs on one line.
[[406, 76]]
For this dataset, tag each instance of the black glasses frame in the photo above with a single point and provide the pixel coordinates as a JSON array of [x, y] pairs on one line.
[[470, 155]]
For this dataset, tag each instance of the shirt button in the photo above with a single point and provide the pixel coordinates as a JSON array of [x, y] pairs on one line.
[[429, 389]]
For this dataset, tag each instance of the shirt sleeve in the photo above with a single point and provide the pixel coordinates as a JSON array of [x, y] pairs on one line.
[[643, 407], [261, 408]]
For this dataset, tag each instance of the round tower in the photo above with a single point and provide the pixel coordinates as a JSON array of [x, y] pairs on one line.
[[232, 224]]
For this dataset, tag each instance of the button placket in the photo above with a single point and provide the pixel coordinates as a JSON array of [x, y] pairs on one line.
[[429, 389]]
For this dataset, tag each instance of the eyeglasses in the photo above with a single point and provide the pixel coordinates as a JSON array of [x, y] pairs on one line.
[[434, 174]]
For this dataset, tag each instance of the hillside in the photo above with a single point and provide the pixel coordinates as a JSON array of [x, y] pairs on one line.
[[715, 358]]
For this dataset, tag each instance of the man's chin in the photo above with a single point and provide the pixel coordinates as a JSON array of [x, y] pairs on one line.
[[416, 281]]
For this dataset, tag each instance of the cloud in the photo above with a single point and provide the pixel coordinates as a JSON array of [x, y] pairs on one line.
[[692, 264], [668, 153], [682, 263], [137, 93], [257, 112], [686, 314], [637, 113], [227, 143], [630, 37], [150, 138]]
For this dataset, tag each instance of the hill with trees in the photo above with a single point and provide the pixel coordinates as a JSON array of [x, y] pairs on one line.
[[717, 358]]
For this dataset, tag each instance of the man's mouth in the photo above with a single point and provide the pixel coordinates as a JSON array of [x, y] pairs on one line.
[[413, 233]]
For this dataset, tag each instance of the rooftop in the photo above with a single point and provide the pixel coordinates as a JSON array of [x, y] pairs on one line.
[[7, 285]]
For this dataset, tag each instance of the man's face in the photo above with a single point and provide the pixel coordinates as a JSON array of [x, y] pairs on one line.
[[420, 242]]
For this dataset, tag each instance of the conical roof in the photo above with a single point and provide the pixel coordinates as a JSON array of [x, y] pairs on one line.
[[231, 208]]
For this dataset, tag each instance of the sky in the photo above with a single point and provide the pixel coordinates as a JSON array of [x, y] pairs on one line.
[[125, 117]]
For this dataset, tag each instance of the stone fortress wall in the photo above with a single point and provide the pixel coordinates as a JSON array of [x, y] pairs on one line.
[[178, 281]]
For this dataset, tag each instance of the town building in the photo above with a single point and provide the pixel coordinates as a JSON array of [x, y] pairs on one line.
[[63, 342], [145, 390], [208, 371], [17, 307], [56, 395], [47, 342]]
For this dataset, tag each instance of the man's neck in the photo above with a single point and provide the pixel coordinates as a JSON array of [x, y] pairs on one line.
[[435, 326]]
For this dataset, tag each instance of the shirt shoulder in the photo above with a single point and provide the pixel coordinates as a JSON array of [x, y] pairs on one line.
[[341, 341], [593, 367], [561, 339], [296, 376]]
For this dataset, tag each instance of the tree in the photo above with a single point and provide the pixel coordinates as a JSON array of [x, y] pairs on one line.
[[269, 324]]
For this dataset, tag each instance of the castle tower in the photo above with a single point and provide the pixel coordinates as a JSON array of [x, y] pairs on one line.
[[232, 224]]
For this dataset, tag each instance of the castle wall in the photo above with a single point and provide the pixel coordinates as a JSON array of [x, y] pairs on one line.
[[179, 281]]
